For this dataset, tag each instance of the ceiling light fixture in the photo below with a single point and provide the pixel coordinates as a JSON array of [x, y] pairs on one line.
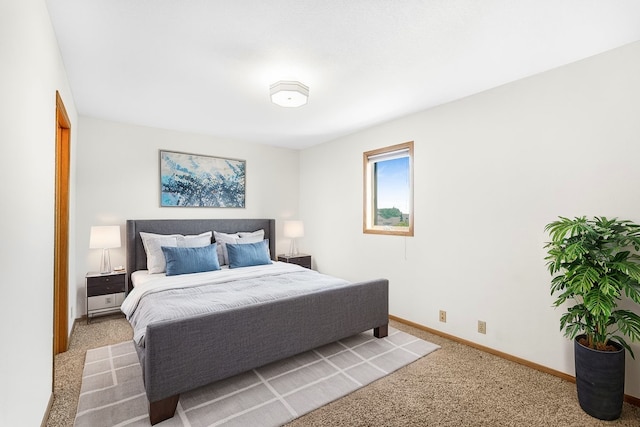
[[289, 93]]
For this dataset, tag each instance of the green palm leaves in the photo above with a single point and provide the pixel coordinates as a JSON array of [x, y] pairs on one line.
[[594, 267]]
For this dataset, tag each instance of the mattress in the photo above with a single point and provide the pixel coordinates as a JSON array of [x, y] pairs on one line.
[[142, 276], [161, 298]]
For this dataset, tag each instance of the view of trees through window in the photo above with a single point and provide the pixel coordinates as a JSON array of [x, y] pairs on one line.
[[393, 181], [388, 181]]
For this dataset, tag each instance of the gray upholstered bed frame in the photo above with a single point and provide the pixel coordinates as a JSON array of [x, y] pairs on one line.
[[181, 355]]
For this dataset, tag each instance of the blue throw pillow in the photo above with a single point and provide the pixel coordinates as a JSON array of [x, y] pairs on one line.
[[190, 260], [248, 254]]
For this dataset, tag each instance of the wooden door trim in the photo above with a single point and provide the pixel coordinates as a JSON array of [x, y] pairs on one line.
[[61, 236]]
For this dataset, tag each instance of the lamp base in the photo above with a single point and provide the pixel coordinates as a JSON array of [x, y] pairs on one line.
[[293, 249], [105, 262]]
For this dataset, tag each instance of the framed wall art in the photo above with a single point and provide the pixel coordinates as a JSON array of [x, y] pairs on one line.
[[193, 180]]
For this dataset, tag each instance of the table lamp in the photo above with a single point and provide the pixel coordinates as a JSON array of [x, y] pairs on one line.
[[105, 237], [293, 230]]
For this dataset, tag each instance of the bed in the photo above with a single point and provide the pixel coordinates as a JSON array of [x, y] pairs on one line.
[[182, 354]]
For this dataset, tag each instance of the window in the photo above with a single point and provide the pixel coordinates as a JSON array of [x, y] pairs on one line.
[[388, 190]]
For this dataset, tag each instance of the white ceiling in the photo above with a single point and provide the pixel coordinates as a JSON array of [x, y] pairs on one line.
[[205, 66]]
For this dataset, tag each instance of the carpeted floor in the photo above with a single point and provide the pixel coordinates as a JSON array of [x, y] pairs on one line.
[[454, 386], [68, 365]]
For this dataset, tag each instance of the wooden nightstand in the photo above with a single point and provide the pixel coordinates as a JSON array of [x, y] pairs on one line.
[[303, 260], [105, 292]]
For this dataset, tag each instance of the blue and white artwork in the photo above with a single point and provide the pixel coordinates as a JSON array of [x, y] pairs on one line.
[[201, 181]]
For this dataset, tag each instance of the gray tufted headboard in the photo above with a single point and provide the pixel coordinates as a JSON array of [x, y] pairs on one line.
[[137, 258]]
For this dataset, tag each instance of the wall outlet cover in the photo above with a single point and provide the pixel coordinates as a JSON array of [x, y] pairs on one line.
[[482, 327]]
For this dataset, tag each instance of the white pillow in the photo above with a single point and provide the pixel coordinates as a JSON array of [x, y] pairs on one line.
[[201, 240], [223, 238], [257, 233], [153, 247], [153, 244]]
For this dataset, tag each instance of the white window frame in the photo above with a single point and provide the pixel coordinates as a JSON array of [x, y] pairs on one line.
[[369, 212]]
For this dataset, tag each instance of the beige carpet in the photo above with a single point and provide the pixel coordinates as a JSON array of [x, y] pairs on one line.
[[454, 386]]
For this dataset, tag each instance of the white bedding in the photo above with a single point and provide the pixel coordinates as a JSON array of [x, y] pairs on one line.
[[142, 276], [159, 297]]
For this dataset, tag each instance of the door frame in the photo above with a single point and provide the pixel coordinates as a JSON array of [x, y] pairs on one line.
[[61, 230]]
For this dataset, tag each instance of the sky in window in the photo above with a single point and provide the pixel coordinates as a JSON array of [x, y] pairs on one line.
[[393, 184]]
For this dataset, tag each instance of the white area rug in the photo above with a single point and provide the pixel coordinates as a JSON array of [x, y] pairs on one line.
[[112, 391]]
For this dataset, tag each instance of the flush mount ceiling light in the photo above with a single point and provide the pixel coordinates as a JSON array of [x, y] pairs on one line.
[[289, 93]]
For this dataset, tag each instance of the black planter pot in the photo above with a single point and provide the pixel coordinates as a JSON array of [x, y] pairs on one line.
[[600, 380]]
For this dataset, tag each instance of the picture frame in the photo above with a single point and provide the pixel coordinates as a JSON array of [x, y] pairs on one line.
[[195, 180]]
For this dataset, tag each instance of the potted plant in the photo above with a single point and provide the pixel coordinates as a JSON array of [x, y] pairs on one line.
[[594, 266]]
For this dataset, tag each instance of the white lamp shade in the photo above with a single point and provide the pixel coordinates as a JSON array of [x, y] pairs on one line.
[[293, 229], [104, 237]]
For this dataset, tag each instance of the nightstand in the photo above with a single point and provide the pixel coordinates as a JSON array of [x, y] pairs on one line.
[[105, 292], [303, 260]]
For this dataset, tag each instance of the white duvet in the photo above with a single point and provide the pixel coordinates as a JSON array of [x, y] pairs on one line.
[[174, 297]]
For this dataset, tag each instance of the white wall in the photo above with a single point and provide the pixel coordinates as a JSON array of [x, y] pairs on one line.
[[119, 179], [490, 171], [487, 180], [31, 71]]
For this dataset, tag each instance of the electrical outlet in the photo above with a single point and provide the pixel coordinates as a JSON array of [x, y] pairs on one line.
[[443, 316], [482, 326]]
